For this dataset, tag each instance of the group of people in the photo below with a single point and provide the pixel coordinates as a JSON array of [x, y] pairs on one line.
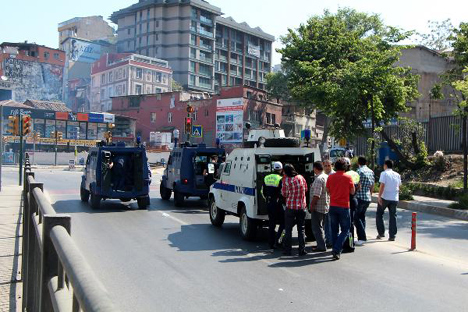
[[338, 203]]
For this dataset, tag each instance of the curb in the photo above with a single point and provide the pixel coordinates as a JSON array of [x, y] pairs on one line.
[[436, 210]]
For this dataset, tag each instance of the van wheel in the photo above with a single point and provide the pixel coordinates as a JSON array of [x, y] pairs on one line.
[[95, 201], [308, 231], [178, 199], [164, 192], [248, 226], [143, 202], [217, 215], [84, 195]]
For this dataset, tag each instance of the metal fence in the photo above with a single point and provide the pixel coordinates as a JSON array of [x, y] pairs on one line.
[[440, 134], [55, 274]]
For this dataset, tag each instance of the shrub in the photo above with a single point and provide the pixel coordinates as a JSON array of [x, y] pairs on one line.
[[462, 202], [440, 163], [406, 193]]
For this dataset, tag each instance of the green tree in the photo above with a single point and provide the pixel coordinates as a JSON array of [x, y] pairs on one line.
[[176, 86], [439, 35], [277, 86], [456, 80], [343, 64]]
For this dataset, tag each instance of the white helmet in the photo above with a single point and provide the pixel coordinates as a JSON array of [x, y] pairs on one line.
[[277, 165], [348, 161]]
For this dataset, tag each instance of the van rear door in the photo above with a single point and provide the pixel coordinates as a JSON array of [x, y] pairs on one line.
[[263, 168]]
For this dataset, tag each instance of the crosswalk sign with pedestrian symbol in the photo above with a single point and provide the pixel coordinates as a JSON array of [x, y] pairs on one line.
[[197, 131]]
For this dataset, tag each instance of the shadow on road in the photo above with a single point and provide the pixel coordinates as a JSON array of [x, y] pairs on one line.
[[77, 206], [227, 244]]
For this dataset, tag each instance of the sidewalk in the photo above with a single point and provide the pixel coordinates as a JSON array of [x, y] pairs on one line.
[[10, 248], [431, 205]]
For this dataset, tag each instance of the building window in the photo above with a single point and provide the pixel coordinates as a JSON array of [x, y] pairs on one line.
[[93, 81], [192, 66], [192, 80], [109, 93], [124, 73], [46, 55], [169, 117], [249, 95], [195, 115], [138, 89], [103, 79], [103, 94], [111, 77], [207, 112], [153, 117], [204, 82], [148, 75], [157, 23], [128, 31], [56, 56], [156, 77], [139, 73]]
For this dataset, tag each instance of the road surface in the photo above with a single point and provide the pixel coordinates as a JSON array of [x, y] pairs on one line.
[[172, 259]]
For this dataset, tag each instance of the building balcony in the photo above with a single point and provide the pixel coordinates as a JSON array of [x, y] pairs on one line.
[[206, 33], [206, 20]]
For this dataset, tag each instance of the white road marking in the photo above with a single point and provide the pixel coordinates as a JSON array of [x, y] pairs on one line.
[[166, 215]]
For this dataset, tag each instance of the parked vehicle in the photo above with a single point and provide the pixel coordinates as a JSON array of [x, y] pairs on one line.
[[238, 190], [116, 172], [183, 175]]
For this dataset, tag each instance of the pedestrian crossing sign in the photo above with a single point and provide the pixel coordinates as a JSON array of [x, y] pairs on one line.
[[197, 131]]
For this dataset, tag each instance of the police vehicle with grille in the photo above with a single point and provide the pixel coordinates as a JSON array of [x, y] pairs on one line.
[[237, 192]]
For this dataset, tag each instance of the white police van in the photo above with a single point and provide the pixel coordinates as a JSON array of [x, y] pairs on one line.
[[238, 190]]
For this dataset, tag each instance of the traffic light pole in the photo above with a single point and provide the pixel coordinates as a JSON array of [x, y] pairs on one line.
[[56, 136], [20, 129]]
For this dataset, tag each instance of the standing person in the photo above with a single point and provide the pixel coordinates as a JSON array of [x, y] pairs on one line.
[[328, 169], [319, 205], [364, 198], [353, 202], [294, 190], [271, 191], [389, 191], [210, 170], [340, 186]]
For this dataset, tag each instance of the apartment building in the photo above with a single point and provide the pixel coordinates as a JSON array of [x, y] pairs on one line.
[[32, 71], [186, 34], [89, 28], [243, 54], [121, 74]]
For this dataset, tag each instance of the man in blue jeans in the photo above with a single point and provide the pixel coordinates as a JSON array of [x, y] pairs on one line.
[[364, 197], [389, 191], [339, 186]]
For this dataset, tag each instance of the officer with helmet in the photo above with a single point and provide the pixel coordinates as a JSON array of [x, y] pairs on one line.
[[271, 191]]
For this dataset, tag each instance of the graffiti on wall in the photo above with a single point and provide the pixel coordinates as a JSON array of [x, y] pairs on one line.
[[14, 68]]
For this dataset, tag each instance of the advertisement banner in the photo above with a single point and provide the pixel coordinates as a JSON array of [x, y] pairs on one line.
[[50, 127], [82, 117], [95, 117], [253, 50], [83, 51], [230, 120], [92, 131]]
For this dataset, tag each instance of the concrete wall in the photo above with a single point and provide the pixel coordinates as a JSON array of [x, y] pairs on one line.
[[48, 158]]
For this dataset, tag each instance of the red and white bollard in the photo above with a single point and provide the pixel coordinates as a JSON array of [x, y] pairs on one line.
[[413, 230]]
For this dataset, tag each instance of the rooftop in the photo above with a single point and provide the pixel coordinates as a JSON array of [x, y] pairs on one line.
[[11, 103], [244, 27], [25, 45], [77, 19], [143, 4], [47, 105]]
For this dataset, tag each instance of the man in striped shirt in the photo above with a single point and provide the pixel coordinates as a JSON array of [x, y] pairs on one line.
[[294, 192]]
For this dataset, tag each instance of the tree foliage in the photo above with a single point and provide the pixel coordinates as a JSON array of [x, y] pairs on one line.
[[343, 64], [277, 86], [439, 36], [176, 86]]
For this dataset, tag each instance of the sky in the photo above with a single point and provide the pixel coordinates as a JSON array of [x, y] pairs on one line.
[[36, 21]]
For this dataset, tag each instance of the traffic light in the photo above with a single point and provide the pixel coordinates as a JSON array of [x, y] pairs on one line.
[[13, 125], [26, 125], [188, 125], [190, 109]]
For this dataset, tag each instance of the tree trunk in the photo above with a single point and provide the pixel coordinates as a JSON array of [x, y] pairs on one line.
[[325, 132], [397, 151], [373, 135], [414, 142]]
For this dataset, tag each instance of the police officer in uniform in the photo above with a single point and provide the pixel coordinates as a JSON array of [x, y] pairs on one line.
[[271, 191]]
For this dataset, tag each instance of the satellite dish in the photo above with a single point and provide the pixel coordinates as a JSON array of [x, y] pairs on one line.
[[4, 78]]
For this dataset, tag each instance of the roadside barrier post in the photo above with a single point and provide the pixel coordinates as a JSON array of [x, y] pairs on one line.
[[413, 230]]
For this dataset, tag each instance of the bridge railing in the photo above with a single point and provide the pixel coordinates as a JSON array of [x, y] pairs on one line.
[[56, 276]]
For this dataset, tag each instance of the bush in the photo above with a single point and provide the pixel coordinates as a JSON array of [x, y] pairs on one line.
[[424, 189], [462, 202], [406, 193], [440, 163]]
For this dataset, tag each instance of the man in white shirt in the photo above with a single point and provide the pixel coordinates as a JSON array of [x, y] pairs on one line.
[[390, 183]]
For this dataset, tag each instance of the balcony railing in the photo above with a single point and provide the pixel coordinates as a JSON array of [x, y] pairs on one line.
[[206, 20], [205, 33]]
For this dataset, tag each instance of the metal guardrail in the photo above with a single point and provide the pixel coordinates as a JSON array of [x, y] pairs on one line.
[[55, 274]]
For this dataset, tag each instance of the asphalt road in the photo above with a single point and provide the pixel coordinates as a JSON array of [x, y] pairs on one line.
[[172, 259]]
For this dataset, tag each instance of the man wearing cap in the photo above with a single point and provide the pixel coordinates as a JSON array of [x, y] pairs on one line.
[[271, 191]]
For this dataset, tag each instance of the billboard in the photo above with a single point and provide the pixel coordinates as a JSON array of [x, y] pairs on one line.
[[253, 50], [83, 51], [230, 120]]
